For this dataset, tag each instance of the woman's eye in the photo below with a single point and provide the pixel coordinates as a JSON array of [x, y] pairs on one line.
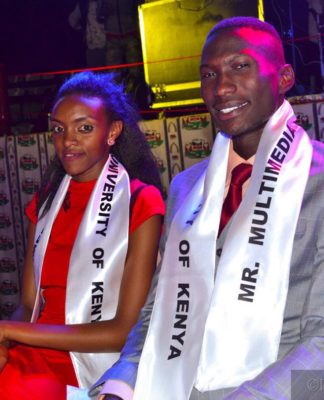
[[57, 129], [86, 128]]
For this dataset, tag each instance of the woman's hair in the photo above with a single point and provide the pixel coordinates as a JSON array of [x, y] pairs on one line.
[[131, 147]]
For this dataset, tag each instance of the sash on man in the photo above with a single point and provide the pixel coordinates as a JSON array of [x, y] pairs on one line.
[[214, 326]]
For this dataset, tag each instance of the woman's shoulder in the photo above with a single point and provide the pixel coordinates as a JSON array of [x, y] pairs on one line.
[[143, 190], [146, 201]]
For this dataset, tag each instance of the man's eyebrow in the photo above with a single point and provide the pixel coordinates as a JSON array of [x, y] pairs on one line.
[[204, 66], [230, 58]]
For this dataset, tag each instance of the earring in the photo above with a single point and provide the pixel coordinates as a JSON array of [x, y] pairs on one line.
[[111, 142]]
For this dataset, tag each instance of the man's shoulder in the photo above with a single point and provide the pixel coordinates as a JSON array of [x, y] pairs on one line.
[[191, 174], [181, 185], [183, 182], [318, 146], [317, 166]]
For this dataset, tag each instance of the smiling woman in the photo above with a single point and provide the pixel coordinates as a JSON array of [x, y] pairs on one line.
[[92, 245]]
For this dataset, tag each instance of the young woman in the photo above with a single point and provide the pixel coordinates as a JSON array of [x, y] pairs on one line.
[[92, 245]]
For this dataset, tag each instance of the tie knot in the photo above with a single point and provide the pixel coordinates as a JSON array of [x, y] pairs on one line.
[[234, 196], [241, 173]]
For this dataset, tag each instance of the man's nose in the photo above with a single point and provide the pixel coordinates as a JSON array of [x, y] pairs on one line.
[[224, 85]]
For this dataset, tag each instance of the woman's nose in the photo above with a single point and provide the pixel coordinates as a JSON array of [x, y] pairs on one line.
[[70, 137]]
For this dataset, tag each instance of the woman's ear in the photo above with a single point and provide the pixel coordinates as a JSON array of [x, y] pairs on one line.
[[286, 79], [115, 130]]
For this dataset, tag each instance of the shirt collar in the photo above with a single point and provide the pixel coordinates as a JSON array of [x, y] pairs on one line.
[[233, 160]]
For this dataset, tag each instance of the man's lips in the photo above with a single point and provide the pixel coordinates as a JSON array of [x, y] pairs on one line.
[[229, 109]]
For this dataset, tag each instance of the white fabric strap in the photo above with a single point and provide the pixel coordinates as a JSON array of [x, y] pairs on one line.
[[247, 299], [97, 260]]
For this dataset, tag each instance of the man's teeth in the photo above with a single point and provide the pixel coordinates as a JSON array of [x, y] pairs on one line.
[[230, 109]]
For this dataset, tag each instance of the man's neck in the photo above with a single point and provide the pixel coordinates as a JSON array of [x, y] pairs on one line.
[[246, 144], [245, 147]]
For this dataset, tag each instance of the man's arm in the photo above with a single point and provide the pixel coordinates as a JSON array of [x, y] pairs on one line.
[[308, 354], [275, 381], [124, 372]]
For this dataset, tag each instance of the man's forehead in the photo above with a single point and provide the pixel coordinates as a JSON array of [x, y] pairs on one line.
[[242, 40], [250, 36], [253, 36]]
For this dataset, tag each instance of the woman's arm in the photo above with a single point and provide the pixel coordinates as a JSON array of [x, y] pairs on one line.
[[104, 335]]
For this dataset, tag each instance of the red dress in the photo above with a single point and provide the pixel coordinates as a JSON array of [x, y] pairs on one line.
[[41, 373]]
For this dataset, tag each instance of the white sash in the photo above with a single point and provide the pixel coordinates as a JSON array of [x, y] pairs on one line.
[[229, 328], [97, 260]]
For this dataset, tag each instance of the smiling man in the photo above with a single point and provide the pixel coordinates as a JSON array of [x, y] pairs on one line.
[[237, 303]]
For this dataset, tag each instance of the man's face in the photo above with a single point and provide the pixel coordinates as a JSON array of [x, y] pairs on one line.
[[239, 83]]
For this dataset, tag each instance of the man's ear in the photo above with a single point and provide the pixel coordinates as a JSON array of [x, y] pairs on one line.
[[286, 78], [115, 130]]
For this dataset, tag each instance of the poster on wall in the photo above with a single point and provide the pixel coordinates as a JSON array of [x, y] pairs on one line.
[[9, 244], [305, 118], [196, 137], [29, 168], [23, 161], [174, 146], [320, 118], [155, 135], [49, 147]]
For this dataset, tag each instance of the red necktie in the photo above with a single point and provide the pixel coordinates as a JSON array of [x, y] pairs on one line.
[[234, 196]]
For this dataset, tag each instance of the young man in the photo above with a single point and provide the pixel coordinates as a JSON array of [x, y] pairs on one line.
[[237, 308]]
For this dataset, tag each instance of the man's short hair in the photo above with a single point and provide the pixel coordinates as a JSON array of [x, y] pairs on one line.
[[272, 48], [244, 22]]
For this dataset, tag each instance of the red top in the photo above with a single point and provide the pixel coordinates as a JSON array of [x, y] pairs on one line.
[[147, 203], [57, 257]]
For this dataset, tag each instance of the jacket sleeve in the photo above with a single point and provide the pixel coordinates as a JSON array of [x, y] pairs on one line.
[[299, 374]]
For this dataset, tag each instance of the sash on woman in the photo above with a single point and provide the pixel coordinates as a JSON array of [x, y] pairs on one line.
[[216, 327], [97, 260]]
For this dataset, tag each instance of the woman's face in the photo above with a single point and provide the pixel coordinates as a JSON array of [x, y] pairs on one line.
[[80, 130]]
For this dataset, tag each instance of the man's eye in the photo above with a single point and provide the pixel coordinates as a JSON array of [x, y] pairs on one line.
[[241, 66], [206, 75], [86, 128]]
